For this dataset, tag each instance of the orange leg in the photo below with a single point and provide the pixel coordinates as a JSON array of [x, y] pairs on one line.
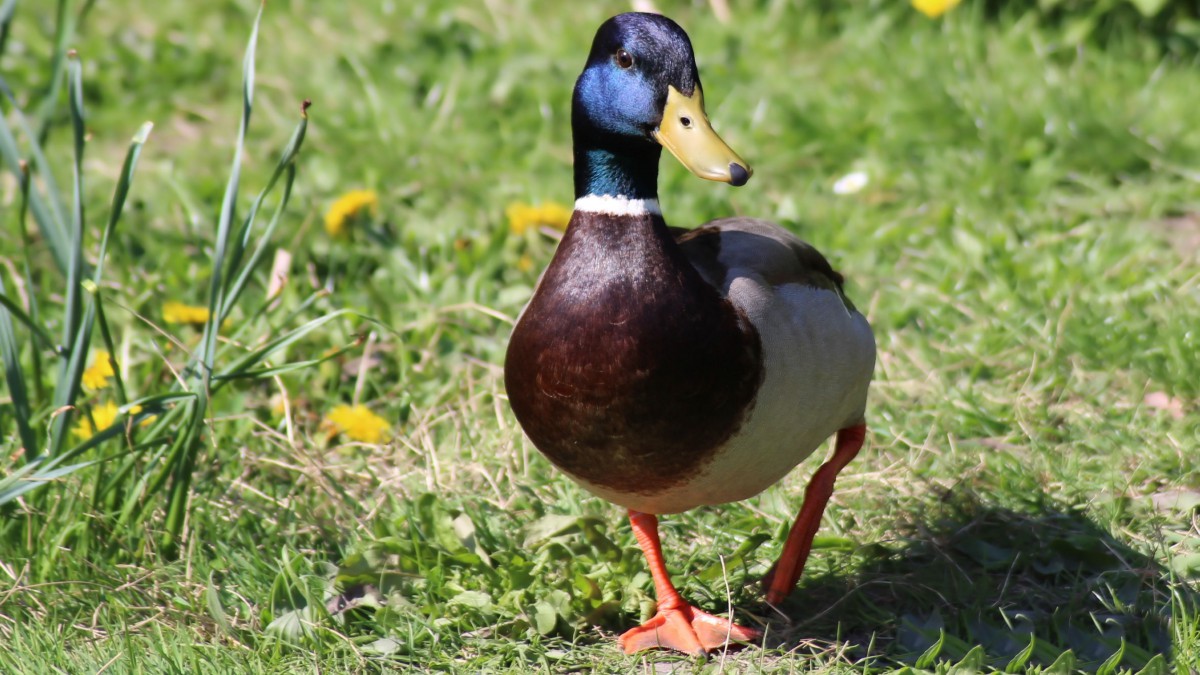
[[783, 576], [678, 625]]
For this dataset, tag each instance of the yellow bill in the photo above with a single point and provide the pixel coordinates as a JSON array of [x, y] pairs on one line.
[[685, 131]]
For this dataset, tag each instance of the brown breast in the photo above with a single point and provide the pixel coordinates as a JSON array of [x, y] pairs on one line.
[[627, 370]]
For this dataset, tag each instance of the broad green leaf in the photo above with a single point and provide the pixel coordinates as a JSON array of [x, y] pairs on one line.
[[293, 625], [1186, 565], [1063, 665], [832, 543], [1017, 663], [212, 596], [476, 599], [971, 663], [545, 617], [384, 646], [549, 525], [1155, 666], [1109, 667], [929, 657]]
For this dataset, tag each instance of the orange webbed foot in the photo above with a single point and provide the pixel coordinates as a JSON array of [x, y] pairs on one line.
[[686, 629]]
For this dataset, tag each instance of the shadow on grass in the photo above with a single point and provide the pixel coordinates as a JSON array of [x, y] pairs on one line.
[[1024, 586]]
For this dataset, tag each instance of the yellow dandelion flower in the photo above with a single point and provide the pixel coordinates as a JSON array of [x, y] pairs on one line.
[[144, 423], [357, 423], [104, 415], [97, 374], [934, 8], [348, 208], [522, 216], [177, 312]]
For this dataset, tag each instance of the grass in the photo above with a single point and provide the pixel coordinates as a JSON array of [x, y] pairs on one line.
[[1025, 249]]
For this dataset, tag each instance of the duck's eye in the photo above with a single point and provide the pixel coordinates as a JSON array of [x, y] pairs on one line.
[[685, 121], [624, 59]]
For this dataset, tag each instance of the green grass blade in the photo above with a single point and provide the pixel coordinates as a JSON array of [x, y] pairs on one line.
[[158, 402], [19, 314], [286, 162], [75, 270], [228, 206], [41, 470], [71, 374], [50, 219], [181, 461], [77, 323], [120, 499], [109, 346], [13, 480], [124, 181], [10, 352], [252, 359], [44, 469], [263, 373], [242, 240], [181, 464], [1110, 665], [150, 405], [64, 28], [135, 506], [118, 204], [27, 267], [212, 596], [1017, 663], [27, 479], [40, 162], [243, 278], [7, 9]]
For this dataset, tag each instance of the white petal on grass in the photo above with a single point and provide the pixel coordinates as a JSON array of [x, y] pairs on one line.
[[851, 183]]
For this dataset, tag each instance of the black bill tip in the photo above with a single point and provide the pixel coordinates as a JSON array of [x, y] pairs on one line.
[[738, 175]]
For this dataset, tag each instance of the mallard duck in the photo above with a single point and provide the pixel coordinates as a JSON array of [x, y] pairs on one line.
[[666, 369]]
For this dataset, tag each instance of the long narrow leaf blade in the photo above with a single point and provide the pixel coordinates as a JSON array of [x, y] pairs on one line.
[[216, 302], [122, 191], [7, 9], [146, 407], [51, 219], [258, 356], [77, 330], [182, 458], [64, 30], [286, 162], [10, 490], [19, 314], [67, 389], [75, 270], [10, 353]]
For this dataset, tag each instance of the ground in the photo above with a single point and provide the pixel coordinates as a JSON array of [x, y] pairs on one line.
[[1025, 247]]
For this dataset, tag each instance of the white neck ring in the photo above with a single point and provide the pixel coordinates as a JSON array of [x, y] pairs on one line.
[[617, 206]]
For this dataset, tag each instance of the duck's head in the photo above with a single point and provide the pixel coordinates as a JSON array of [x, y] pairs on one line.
[[640, 90]]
